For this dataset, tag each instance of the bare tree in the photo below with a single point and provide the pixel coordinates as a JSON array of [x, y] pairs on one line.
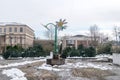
[[50, 33], [95, 35], [115, 32], [104, 38]]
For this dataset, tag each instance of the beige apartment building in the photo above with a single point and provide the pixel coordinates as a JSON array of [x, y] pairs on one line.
[[15, 34]]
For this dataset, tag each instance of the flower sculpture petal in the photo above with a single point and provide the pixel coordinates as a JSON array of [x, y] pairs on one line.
[[61, 24]]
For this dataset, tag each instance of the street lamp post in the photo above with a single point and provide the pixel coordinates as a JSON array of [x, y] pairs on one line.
[[58, 26], [55, 41]]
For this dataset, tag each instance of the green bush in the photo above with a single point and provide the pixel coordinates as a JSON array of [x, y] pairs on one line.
[[86, 51], [81, 50], [90, 52], [14, 51], [6, 55], [74, 52], [35, 51], [66, 52], [104, 49], [17, 51]]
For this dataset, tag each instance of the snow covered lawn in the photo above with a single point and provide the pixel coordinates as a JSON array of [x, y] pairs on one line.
[[74, 65], [15, 74], [73, 69], [20, 63]]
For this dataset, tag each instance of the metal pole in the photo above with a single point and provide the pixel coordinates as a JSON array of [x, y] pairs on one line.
[[56, 47], [55, 41]]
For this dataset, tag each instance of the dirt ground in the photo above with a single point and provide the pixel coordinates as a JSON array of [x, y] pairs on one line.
[[91, 73]]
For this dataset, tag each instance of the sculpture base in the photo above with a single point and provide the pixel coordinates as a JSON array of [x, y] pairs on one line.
[[55, 61]]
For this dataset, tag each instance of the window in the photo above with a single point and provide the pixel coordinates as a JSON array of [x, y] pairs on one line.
[[21, 40], [10, 40], [10, 29], [15, 29], [70, 42], [4, 29], [21, 29], [0, 30], [15, 40]]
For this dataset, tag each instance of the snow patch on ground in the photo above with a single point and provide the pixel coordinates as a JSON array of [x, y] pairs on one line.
[[85, 65], [69, 66], [15, 74], [34, 58], [1, 58], [49, 67], [97, 56], [21, 63], [104, 56], [74, 57]]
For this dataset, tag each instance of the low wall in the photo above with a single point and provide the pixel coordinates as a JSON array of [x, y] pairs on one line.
[[116, 58]]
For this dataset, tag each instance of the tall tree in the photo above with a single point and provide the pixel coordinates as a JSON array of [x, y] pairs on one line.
[[116, 32], [104, 38], [50, 33], [95, 35]]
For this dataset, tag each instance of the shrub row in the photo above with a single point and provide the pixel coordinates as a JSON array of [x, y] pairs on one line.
[[81, 51], [17, 51]]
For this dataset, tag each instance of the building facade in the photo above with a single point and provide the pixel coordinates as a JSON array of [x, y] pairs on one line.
[[12, 34], [75, 41]]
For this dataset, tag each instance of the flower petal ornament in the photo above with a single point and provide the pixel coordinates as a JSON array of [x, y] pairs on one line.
[[61, 24]]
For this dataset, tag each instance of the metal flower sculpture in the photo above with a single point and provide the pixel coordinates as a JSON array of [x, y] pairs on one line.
[[61, 24]]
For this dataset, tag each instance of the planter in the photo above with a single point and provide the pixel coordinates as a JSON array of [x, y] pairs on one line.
[[55, 61], [116, 58]]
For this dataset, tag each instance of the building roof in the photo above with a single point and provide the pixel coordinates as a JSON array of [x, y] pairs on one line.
[[13, 24], [77, 37], [81, 36], [9, 23]]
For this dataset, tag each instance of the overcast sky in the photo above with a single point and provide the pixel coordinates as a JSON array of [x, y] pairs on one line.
[[80, 14]]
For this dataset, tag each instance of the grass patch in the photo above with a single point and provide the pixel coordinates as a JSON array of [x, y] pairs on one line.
[[91, 73]]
